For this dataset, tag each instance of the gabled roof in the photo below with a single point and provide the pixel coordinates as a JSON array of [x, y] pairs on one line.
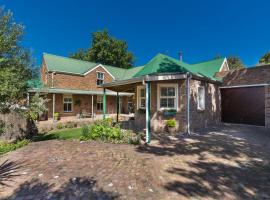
[[165, 64], [208, 68], [73, 66], [160, 64]]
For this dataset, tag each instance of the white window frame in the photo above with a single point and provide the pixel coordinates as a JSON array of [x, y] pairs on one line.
[[100, 100], [71, 97], [139, 96], [200, 107], [175, 85], [101, 79]]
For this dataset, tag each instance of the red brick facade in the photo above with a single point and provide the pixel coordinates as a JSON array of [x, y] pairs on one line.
[[79, 82], [73, 81], [198, 119]]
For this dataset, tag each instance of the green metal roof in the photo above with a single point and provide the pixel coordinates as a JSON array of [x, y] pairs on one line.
[[208, 68], [74, 66], [158, 65], [165, 64]]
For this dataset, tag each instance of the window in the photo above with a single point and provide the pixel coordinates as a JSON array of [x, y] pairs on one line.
[[201, 98], [67, 103], [100, 78], [99, 103], [141, 96], [167, 96]]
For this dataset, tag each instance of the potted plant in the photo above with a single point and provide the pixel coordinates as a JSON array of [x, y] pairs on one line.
[[171, 126], [56, 116], [171, 112]]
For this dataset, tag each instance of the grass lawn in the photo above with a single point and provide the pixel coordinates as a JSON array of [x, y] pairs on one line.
[[73, 133]]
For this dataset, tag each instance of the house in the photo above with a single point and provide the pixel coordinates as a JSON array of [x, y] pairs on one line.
[[201, 95], [196, 95], [72, 86]]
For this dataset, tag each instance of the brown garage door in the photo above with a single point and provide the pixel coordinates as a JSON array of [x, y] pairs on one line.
[[243, 105]]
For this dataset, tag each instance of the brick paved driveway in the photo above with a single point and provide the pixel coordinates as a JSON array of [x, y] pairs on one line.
[[231, 162]]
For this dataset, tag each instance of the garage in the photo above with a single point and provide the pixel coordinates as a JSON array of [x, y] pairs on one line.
[[243, 105]]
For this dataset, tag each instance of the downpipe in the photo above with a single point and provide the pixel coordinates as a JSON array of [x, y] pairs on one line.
[[189, 76]]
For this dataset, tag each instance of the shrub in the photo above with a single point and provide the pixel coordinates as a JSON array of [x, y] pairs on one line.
[[171, 123], [85, 131], [6, 147], [59, 126]]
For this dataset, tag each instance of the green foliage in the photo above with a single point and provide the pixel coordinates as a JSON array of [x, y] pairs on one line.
[[265, 59], [106, 50], [171, 123], [36, 107], [6, 147], [15, 62], [85, 131], [235, 62], [59, 126], [103, 130], [56, 114]]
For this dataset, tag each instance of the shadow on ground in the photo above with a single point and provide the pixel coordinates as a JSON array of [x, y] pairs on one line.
[[224, 163], [76, 188], [9, 170]]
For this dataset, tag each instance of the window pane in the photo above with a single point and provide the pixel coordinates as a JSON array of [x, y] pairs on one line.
[[163, 103], [142, 92], [171, 91], [65, 107], [164, 92], [170, 102], [99, 82], [143, 103], [69, 107]]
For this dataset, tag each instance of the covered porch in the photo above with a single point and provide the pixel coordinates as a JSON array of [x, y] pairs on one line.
[[70, 104]]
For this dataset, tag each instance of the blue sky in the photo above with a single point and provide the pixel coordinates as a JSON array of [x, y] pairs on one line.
[[201, 29]]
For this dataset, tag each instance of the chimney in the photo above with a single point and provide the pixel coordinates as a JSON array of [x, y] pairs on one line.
[[181, 56]]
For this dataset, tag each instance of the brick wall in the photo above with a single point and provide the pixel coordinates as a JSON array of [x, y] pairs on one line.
[[248, 76], [267, 107], [71, 81], [199, 119], [211, 115]]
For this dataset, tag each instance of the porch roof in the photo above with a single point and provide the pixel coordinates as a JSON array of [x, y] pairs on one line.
[[73, 91]]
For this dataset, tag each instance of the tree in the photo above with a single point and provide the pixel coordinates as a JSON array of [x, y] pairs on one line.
[[81, 54], [265, 59], [235, 62], [15, 62], [107, 50]]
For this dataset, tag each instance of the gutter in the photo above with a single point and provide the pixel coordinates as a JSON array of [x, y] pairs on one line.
[[189, 76]]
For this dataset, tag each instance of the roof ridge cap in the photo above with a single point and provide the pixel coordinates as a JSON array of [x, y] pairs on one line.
[[208, 60]]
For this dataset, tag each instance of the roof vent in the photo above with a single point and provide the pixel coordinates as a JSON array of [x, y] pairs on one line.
[[181, 56]]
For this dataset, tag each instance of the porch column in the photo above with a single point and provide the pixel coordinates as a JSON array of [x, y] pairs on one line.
[[28, 99], [53, 107], [147, 111], [104, 103], [117, 107], [92, 106]]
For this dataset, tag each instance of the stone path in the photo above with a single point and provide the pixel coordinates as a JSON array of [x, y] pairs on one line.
[[231, 162]]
